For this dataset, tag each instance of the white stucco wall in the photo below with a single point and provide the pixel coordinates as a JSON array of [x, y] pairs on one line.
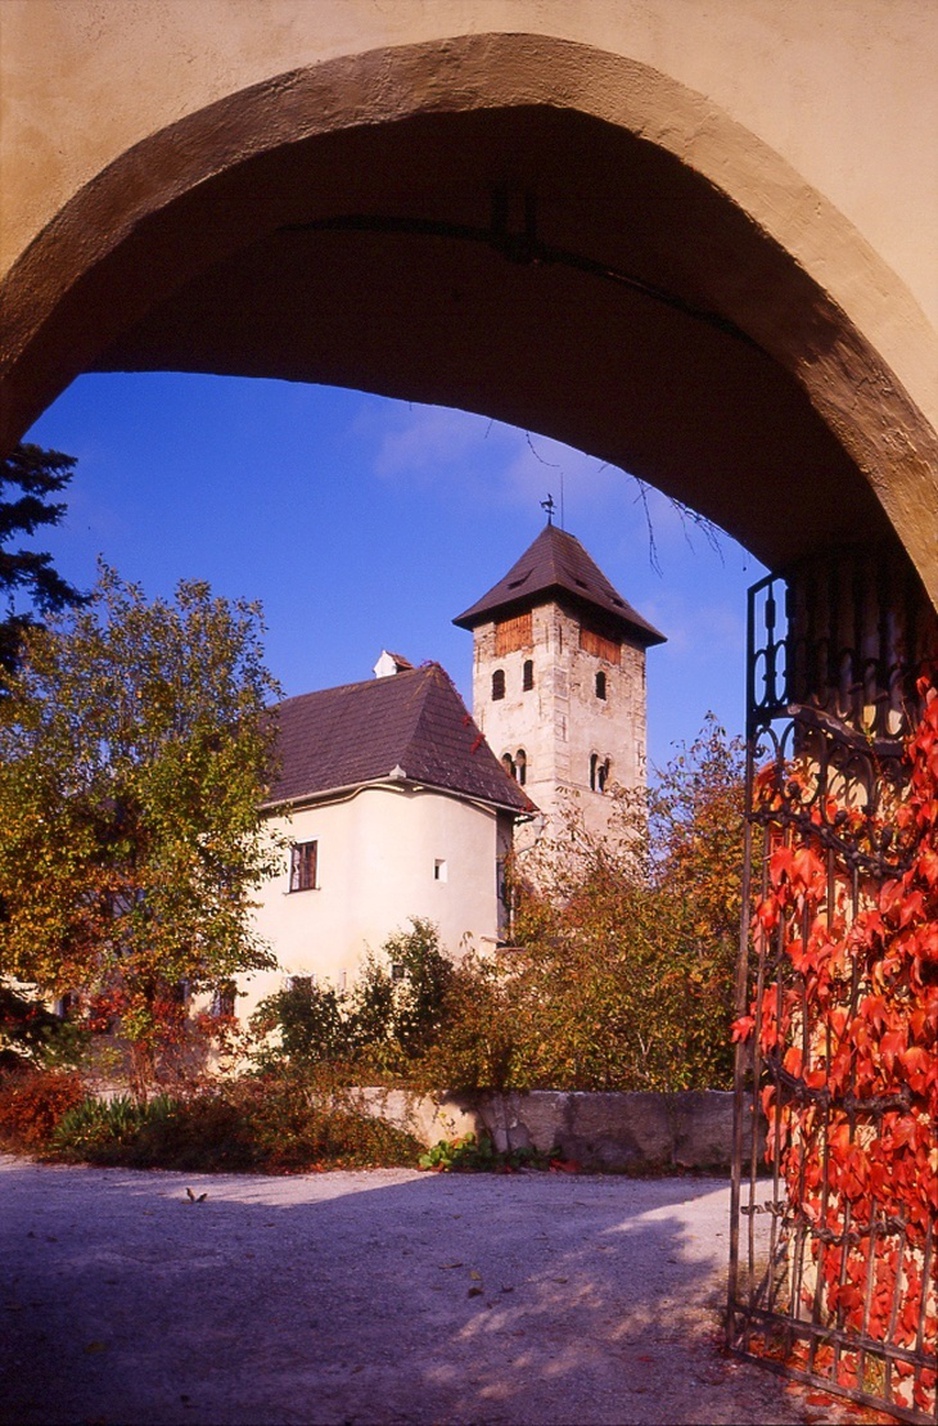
[[376, 856]]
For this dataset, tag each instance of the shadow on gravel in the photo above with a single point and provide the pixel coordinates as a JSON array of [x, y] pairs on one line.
[[377, 1297]]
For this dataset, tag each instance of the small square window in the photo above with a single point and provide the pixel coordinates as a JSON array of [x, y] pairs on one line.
[[303, 866], [439, 870]]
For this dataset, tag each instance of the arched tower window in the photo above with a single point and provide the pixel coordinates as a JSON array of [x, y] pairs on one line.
[[601, 685], [527, 676], [498, 684], [521, 766], [508, 763], [599, 772]]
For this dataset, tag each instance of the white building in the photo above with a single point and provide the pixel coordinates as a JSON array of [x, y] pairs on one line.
[[559, 678], [393, 806]]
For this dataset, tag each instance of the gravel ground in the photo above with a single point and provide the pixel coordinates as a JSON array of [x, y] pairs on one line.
[[377, 1297]]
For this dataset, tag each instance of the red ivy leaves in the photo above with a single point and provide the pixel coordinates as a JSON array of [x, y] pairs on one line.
[[880, 1043]]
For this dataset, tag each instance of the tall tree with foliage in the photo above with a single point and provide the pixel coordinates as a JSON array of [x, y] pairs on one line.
[[29, 584], [134, 754], [626, 943]]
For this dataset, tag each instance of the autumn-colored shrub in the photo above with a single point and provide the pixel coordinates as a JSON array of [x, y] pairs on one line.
[[32, 1105], [622, 974], [269, 1124]]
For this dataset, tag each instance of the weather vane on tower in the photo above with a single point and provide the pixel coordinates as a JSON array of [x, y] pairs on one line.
[[548, 505]]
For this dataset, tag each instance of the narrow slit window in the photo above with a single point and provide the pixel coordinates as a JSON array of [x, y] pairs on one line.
[[439, 869], [527, 676], [601, 685], [498, 684], [521, 767]]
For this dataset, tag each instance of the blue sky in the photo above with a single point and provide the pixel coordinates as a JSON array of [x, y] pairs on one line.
[[363, 523]]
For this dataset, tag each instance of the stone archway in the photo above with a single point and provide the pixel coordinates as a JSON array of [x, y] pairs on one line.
[[550, 230], [358, 222]]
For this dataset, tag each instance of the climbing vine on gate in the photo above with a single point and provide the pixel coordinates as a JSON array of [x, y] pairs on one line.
[[848, 1032]]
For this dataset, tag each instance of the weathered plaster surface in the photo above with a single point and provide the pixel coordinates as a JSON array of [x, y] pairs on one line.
[[845, 93], [815, 119], [376, 854], [560, 723]]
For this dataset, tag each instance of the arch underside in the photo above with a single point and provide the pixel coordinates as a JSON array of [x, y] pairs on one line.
[[645, 318]]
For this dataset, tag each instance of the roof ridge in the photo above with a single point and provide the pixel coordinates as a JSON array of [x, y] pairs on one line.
[[341, 688]]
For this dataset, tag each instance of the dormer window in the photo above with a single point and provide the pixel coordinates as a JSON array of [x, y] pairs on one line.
[[498, 684]]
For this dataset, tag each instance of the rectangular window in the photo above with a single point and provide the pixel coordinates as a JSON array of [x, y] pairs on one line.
[[439, 870], [600, 646], [223, 1004], [512, 634], [303, 859]]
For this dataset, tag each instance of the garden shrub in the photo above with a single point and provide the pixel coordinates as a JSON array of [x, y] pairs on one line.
[[265, 1124], [468, 1154], [391, 1015], [622, 976], [33, 1104]]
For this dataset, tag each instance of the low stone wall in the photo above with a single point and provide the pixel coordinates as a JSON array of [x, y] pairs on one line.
[[692, 1129]]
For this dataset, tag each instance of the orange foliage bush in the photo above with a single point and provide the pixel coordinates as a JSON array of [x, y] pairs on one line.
[[32, 1106]]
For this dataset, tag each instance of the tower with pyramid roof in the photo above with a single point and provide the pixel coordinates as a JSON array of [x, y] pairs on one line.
[[559, 678]]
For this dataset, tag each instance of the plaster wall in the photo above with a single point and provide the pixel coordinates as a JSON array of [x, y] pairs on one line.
[[803, 137], [376, 858], [844, 92]]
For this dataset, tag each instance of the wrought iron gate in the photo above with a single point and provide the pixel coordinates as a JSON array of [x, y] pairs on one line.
[[831, 697]]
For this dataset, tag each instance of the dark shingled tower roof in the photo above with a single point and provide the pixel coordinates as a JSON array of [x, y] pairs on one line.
[[557, 564], [411, 726]]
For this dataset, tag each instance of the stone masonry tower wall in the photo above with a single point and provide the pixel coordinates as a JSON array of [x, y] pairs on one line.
[[559, 680]]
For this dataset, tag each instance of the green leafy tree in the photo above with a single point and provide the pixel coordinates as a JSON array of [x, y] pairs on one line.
[[623, 973], [28, 581], [388, 1018], [134, 753]]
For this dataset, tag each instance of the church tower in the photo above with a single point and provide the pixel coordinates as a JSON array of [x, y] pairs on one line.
[[559, 677]]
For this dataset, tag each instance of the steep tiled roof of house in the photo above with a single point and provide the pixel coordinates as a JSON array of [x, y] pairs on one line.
[[412, 725], [557, 564]]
